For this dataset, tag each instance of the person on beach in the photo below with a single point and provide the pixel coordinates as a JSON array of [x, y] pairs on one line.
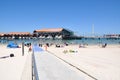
[[30, 49], [45, 47], [103, 46], [81, 46]]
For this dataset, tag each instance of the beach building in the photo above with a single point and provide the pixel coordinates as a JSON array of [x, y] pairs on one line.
[[113, 36], [17, 35], [53, 33], [1, 35]]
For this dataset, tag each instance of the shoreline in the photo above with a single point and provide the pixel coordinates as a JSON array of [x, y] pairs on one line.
[[60, 41]]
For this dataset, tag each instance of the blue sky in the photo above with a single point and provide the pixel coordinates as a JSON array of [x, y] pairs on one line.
[[75, 15]]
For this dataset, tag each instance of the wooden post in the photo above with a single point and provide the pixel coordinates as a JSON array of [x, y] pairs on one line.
[[22, 48]]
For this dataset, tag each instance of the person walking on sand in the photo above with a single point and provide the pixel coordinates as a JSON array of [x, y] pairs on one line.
[[30, 49], [45, 47]]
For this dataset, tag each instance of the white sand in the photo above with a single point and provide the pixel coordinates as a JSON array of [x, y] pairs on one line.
[[101, 63], [13, 68]]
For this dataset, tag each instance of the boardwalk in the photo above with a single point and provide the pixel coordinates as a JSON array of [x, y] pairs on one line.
[[51, 68]]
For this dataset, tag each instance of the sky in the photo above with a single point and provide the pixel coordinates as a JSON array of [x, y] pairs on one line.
[[78, 16]]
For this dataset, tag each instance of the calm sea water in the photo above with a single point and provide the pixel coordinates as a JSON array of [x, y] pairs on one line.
[[88, 41]]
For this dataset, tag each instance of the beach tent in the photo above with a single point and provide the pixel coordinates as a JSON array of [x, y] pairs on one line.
[[12, 45]]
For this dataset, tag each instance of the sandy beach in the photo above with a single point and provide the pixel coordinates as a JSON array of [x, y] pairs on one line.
[[101, 63], [91, 61], [14, 68]]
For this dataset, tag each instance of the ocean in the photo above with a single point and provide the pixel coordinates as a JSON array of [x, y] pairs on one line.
[[88, 41]]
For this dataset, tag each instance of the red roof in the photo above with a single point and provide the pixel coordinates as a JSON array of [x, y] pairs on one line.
[[19, 33], [50, 30], [1, 34]]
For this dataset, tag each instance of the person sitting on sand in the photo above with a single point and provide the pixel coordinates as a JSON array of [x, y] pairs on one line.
[[65, 51], [103, 46], [81, 46]]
